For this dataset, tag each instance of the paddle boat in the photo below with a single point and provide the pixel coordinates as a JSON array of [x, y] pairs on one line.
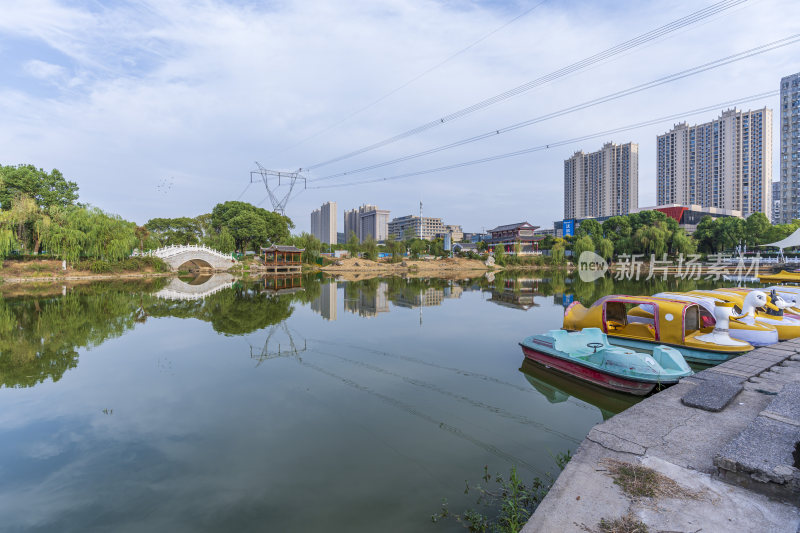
[[755, 334], [589, 356], [751, 308], [673, 323], [780, 277]]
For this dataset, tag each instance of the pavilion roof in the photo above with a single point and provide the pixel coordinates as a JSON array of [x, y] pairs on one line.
[[279, 248], [508, 227]]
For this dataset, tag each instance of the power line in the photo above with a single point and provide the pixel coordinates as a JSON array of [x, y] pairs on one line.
[[555, 144], [415, 78], [596, 58], [584, 105], [244, 191]]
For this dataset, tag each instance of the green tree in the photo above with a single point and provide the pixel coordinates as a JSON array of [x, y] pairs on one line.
[[583, 244], [45, 189], [704, 235], [251, 225], [181, 230], [370, 248], [500, 254], [606, 249], [593, 229], [557, 252], [353, 245], [756, 228]]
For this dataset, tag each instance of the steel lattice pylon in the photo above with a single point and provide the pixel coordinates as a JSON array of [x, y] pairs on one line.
[[273, 179]]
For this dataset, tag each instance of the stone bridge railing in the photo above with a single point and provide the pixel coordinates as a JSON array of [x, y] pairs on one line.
[[177, 255]]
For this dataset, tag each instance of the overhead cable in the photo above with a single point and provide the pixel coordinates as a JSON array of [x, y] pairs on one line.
[[652, 122], [569, 69], [584, 105]]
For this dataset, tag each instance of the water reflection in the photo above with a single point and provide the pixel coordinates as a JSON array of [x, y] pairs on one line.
[[515, 292], [558, 388], [234, 410], [196, 288]]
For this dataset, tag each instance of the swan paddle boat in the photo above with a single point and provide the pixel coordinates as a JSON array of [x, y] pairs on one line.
[[781, 276], [753, 309], [673, 323], [781, 298], [755, 334], [589, 356]]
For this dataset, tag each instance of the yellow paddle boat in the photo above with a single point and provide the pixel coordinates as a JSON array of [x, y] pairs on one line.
[[751, 308], [756, 334], [780, 277], [673, 323]]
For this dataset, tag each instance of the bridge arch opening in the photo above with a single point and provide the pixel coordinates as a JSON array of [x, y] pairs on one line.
[[194, 265]]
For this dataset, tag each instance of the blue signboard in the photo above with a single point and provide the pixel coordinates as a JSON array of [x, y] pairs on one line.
[[569, 227]]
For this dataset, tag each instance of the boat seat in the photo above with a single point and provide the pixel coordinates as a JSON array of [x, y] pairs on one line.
[[640, 330]]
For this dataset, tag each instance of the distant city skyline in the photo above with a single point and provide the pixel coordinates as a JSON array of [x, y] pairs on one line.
[[123, 96]]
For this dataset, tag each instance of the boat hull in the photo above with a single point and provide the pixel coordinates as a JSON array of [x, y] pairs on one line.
[[592, 375], [692, 355]]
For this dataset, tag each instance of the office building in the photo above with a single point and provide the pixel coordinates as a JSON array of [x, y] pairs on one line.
[[602, 183], [790, 148], [725, 163], [413, 226], [323, 223], [367, 221]]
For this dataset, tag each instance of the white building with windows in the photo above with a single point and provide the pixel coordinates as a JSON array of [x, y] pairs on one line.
[[323, 223], [790, 149], [725, 163], [602, 183]]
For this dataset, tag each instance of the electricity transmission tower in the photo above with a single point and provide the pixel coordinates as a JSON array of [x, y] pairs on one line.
[[273, 180], [293, 350]]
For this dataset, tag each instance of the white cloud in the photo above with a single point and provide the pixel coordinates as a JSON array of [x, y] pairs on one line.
[[200, 91], [43, 70]]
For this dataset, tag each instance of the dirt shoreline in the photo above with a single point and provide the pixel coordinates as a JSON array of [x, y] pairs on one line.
[[85, 277]]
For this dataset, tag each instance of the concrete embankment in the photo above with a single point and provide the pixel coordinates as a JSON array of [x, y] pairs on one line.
[[727, 435]]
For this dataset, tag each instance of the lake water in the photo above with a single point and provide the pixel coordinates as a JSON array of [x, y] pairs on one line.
[[305, 404]]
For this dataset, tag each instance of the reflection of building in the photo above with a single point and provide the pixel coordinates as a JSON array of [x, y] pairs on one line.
[[602, 183], [282, 284], [325, 303], [367, 221], [323, 223], [425, 298], [510, 235], [369, 303], [725, 163], [516, 293]]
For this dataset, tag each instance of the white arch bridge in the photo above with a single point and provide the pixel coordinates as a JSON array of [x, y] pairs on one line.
[[192, 256]]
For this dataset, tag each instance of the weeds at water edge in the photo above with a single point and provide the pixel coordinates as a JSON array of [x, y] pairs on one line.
[[512, 502]]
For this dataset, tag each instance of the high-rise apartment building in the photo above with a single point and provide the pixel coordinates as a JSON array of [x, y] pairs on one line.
[[323, 223], [725, 163], [602, 183], [367, 221], [776, 202], [790, 148]]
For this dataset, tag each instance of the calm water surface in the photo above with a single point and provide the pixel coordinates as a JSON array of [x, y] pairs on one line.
[[211, 404]]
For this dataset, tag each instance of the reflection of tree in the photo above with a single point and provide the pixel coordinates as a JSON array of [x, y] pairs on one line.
[[39, 336], [236, 311]]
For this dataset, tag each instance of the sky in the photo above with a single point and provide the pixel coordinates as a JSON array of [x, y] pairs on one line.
[[162, 108]]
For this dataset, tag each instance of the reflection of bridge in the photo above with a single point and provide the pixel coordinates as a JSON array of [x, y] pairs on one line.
[[196, 255], [197, 289]]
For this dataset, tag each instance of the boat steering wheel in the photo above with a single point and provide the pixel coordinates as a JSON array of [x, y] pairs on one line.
[[595, 346]]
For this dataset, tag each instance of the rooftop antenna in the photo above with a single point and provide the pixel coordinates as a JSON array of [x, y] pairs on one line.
[[273, 179]]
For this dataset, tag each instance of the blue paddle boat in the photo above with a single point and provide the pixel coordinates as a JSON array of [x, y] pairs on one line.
[[588, 355]]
